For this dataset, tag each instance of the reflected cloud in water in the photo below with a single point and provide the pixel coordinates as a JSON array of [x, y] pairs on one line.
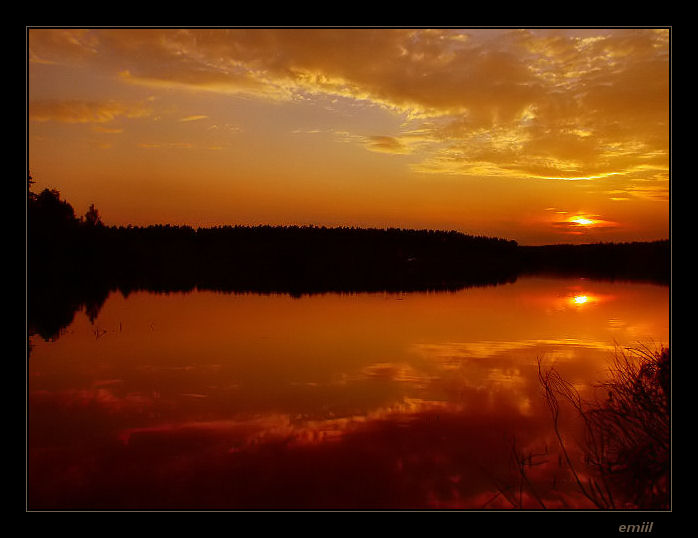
[[221, 401]]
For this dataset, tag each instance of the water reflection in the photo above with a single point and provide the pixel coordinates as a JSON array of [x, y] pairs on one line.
[[208, 400]]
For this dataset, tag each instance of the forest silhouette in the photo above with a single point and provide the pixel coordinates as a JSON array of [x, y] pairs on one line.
[[74, 263]]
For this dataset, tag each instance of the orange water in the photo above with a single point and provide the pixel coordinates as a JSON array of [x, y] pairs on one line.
[[415, 400]]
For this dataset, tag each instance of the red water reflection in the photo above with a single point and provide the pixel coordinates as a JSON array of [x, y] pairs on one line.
[[209, 400]]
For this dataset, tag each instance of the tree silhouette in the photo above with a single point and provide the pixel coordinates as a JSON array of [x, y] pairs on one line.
[[92, 217], [48, 209], [30, 182]]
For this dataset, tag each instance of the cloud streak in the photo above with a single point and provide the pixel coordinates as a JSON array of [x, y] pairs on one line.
[[192, 118], [77, 111]]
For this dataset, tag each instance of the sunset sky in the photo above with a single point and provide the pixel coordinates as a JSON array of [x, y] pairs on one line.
[[542, 136]]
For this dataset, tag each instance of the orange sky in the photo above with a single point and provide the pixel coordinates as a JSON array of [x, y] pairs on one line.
[[540, 136]]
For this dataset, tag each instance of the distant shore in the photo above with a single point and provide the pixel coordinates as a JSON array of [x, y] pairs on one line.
[[74, 263]]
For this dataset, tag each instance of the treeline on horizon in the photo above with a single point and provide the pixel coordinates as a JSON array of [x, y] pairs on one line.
[[75, 262]]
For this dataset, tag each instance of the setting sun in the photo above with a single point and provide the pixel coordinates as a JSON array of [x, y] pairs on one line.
[[476, 130], [582, 221]]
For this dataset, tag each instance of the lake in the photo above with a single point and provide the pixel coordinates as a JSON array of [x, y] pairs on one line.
[[368, 400]]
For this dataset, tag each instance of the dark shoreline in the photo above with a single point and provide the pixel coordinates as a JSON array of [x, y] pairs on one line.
[[74, 264]]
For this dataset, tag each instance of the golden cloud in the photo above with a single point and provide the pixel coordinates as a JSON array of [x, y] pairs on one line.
[[107, 130], [75, 111], [553, 104], [386, 144], [192, 118]]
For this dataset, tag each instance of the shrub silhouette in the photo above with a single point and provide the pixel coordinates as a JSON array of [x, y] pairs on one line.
[[627, 434]]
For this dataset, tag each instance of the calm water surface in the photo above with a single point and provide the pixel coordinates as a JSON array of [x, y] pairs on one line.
[[417, 400]]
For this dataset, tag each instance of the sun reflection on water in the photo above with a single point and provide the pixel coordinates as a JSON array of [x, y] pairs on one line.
[[580, 299], [434, 386]]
